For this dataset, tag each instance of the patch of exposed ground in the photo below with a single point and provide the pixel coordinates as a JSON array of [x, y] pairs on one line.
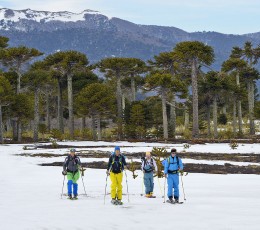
[[191, 168]]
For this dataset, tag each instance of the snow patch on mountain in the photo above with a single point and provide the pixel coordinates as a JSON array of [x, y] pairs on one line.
[[8, 17]]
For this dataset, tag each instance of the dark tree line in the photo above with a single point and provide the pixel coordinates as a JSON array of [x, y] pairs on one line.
[[176, 93]]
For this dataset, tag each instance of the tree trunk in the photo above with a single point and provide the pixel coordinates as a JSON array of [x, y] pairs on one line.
[[1, 126], [165, 121], [195, 104], [234, 118], [48, 118], [18, 124], [186, 118], [251, 108], [239, 108], [208, 121], [133, 88], [8, 124], [93, 126], [83, 124], [123, 102], [19, 127], [119, 106], [15, 132], [36, 115], [19, 76], [225, 109], [60, 107], [173, 115], [215, 117], [252, 125], [70, 106], [98, 128]]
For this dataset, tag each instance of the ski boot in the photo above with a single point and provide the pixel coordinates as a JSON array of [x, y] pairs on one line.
[[75, 197], [151, 195], [70, 196], [113, 201], [170, 200], [119, 202]]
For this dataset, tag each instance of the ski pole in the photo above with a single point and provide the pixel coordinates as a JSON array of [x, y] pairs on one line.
[[183, 188], [142, 181], [84, 186], [164, 188], [105, 190], [126, 185], [62, 187], [160, 186]]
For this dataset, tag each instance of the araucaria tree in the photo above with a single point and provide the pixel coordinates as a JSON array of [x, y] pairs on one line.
[[95, 100], [67, 63], [195, 54], [15, 58]]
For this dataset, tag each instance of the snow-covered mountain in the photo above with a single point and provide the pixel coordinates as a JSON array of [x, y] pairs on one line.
[[9, 17], [99, 36]]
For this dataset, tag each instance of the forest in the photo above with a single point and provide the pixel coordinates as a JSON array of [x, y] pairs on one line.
[[176, 95]]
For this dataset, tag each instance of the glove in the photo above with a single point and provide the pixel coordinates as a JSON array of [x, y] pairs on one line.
[[181, 172], [107, 172], [64, 173]]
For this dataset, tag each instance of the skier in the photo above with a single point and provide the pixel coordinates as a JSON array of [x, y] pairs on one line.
[[115, 169], [172, 166], [71, 168], [149, 167]]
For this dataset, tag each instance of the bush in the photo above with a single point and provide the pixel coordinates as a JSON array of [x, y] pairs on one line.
[[222, 119], [56, 134]]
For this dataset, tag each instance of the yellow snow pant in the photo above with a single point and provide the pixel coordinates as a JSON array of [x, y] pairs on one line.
[[116, 185]]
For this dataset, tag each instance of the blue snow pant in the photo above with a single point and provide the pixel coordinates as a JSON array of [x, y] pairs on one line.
[[173, 183], [148, 182], [72, 182]]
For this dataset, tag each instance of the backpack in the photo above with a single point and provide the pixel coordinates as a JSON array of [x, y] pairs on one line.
[[177, 158], [117, 166], [152, 165]]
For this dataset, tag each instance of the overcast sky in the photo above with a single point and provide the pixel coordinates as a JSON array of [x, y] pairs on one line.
[[225, 16]]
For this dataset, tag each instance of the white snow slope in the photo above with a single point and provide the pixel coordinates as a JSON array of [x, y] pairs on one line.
[[30, 199]]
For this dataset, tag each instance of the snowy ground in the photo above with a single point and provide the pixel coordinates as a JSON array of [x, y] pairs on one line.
[[30, 197]]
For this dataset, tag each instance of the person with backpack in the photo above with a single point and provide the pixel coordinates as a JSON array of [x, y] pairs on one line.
[[115, 168], [172, 166], [71, 168], [148, 167]]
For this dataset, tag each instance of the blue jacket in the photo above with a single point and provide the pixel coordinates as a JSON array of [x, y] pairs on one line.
[[171, 164]]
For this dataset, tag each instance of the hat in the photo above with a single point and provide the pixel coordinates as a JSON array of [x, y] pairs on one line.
[[173, 150], [73, 150], [117, 148], [147, 154]]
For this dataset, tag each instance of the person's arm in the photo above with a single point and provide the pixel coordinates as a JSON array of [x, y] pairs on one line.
[[78, 162], [124, 162], [166, 166], [180, 164], [142, 166], [109, 163], [65, 164]]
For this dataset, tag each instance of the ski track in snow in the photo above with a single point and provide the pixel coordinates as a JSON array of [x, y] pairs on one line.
[[30, 198]]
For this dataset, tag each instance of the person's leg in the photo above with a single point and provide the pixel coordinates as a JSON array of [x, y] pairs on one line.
[[113, 185], [170, 185], [75, 184], [119, 178], [176, 186], [151, 183], [146, 183], [69, 184]]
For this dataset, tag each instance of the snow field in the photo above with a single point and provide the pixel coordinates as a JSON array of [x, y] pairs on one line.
[[30, 199]]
